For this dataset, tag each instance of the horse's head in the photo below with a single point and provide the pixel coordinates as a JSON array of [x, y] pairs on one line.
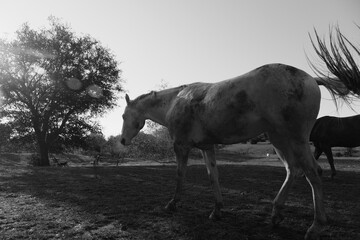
[[134, 121]]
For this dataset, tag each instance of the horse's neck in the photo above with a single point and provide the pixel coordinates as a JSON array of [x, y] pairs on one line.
[[157, 114], [157, 104]]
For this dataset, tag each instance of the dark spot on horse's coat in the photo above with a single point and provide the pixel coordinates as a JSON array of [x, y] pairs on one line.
[[197, 108], [292, 70], [297, 92], [242, 103], [241, 96], [181, 119], [288, 113], [196, 103], [156, 102]]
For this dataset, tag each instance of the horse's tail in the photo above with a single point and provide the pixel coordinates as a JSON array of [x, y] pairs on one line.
[[340, 87]]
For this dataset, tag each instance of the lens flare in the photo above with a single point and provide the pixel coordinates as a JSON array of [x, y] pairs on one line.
[[74, 83], [95, 91]]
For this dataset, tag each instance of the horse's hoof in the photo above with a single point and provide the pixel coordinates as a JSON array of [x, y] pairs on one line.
[[171, 206], [312, 235], [314, 232]]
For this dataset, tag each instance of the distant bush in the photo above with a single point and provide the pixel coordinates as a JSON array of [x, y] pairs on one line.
[[149, 146], [155, 147], [261, 138], [16, 145]]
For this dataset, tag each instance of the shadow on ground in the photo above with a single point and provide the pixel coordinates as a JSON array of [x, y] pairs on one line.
[[127, 203]]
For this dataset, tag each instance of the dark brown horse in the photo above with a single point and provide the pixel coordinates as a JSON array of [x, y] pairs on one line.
[[331, 132], [278, 99]]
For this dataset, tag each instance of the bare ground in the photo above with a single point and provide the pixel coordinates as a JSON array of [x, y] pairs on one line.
[[126, 202]]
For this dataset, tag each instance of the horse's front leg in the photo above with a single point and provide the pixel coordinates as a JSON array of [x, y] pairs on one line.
[[182, 153], [317, 153], [209, 156]]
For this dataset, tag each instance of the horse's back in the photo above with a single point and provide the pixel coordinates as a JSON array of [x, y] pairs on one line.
[[272, 97], [337, 132]]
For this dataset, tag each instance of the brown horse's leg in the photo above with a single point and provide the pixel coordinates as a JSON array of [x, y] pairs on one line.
[[317, 153], [330, 158], [209, 156], [182, 154]]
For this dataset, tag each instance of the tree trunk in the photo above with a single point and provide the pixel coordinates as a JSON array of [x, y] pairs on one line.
[[44, 154]]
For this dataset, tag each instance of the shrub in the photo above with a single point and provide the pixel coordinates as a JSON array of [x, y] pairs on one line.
[[148, 146]]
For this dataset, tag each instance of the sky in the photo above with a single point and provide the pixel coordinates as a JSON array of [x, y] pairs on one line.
[[184, 41]]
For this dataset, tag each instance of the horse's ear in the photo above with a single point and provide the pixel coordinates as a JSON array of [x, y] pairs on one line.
[[127, 99]]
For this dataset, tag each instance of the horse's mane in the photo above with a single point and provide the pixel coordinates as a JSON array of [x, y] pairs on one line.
[[153, 94], [139, 98]]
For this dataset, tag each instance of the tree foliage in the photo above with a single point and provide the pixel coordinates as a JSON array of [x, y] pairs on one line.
[[53, 82], [114, 147], [95, 142]]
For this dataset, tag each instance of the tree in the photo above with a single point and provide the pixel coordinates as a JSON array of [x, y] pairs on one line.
[[114, 147], [5, 133], [338, 55], [95, 142], [53, 82]]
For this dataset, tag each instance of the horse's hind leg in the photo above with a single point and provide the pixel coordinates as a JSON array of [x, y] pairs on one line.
[[182, 154], [330, 158], [309, 167], [209, 156], [278, 204], [297, 154]]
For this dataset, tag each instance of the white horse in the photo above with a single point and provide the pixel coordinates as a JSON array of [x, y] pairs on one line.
[[278, 99]]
